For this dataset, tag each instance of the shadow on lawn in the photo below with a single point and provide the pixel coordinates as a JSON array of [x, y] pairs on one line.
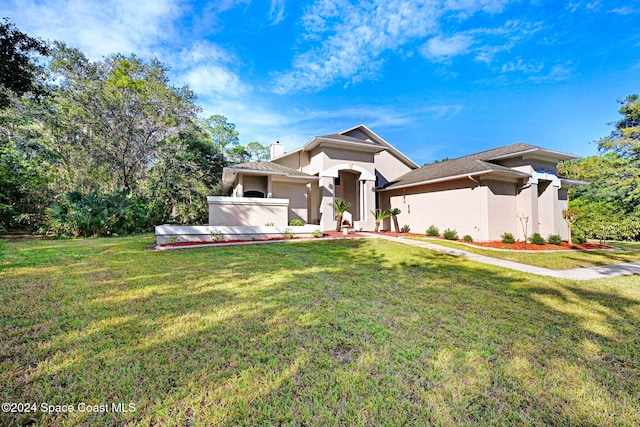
[[345, 332], [608, 257]]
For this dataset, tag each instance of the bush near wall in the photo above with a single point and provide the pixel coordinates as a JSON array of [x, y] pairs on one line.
[[555, 239], [537, 239], [95, 214], [508, 238], [450, 234], [433, 231]]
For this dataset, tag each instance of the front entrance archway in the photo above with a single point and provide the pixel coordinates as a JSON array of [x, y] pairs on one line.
[[352, 183]]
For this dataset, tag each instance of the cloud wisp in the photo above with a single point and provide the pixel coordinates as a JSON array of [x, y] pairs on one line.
[[100, 28], [349, 40]]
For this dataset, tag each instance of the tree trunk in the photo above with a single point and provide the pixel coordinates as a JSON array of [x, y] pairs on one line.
[[339, 222], [377, 225], [570, 237], [395, 223]]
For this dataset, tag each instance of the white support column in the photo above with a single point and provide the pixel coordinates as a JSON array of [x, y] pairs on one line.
[[327, 189], [363, 204], [240, 186]]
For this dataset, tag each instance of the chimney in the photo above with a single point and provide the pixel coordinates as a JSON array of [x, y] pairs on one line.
[[277, 149]]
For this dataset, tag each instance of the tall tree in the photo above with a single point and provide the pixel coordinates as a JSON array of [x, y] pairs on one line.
[[222, 133], [624, 144], [258, 152], [610, 206], [120, 112], [18, 73]]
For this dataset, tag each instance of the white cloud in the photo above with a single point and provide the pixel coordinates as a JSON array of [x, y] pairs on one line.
[[206, 79], [539, 72], [276, 11], [442, 48], [209, 70], [262, 121], [351, 38], [522, 67], [625, 10], [204, 51], [99, 28], [558, 72]]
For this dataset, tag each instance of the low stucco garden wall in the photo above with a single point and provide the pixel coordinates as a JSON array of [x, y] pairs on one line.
[[247, 211], [167, 234]]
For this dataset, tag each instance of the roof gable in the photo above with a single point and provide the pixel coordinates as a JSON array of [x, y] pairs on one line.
[[365, 134]]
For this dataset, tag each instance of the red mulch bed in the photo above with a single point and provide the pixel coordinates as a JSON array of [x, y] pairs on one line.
[[494, 245], [519, 246]]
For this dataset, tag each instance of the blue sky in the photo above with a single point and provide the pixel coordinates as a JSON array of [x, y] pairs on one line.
[[434, 78]]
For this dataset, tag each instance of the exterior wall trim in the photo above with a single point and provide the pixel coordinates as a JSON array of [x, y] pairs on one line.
[[332, 172]]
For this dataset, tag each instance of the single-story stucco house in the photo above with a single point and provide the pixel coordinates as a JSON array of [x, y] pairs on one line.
[[483, 194]]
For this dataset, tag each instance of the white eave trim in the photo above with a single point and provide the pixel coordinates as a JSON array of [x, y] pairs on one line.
[[316, 141], [273, 173], [549, 154], [566, 183], [454, 177]]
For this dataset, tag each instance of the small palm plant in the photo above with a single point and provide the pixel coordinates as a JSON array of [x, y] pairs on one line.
[[394, 216], [380, 215], [340, 206]]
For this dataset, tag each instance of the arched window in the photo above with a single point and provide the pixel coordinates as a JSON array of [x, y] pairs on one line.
[[254, 193]]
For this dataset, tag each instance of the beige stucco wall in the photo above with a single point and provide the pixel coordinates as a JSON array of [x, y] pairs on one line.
[[455, 205], [389, 167], [484, 212], [297, 160], [247, 211], [297, 195], [502, 214]]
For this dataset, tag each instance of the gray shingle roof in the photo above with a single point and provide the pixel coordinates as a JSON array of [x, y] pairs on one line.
[[473, 163], [270, 167]]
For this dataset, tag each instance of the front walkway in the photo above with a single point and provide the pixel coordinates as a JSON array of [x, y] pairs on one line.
[[600, 272]]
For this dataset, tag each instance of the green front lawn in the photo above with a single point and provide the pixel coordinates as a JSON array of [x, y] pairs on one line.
[[344, 332], [556, 260]]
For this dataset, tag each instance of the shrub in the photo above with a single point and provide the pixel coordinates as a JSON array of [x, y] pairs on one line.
[[296, 223], [467, 238], [433, 231], [288, 233], [537, 239], [316, 233], [508, 238], [405, 229], [216, 235], [450, 234], [555, 239], [96, 214], [578, 238], [269, 224]]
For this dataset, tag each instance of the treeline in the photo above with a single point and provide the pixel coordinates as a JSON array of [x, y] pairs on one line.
[[609, 208], [103, 147]]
